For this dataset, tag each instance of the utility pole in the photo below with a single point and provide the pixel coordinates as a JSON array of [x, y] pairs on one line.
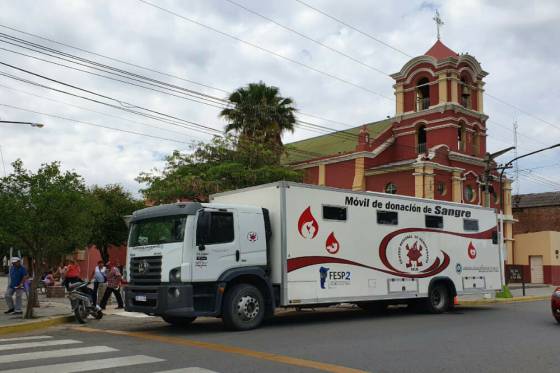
[[487, 179], [515, 155]]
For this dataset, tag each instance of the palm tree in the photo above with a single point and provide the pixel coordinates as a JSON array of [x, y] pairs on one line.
[[259, 113]]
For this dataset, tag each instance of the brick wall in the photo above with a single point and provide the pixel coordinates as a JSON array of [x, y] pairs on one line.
[[536, 219]]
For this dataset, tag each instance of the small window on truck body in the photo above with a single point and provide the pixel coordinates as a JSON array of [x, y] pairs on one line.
[[470, 225], [214, 227], [387, 217], [433, 221], [334, 213]]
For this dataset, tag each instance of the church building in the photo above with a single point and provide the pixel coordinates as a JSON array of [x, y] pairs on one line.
[[434, 147]]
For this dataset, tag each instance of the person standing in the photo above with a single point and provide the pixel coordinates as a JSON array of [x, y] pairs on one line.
[[18, 275], [114, 279], [98, 277], [72, 273]]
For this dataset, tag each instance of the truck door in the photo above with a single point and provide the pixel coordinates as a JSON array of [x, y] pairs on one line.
[[217, 246]]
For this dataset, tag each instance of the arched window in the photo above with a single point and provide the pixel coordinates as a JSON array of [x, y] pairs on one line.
[[469, 194], [391, 188], [476, 143], [422, 94], [461, 137], [465, 94], [421, 139], [441, 188]]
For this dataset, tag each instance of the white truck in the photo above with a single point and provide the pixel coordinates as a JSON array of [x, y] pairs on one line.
[[286, 244]]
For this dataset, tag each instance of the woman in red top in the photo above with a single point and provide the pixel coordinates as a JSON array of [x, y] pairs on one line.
[[72, 273]]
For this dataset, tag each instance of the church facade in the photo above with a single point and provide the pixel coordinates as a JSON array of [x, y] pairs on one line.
[[434, 147]]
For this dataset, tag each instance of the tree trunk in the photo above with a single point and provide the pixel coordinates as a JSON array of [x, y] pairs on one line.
[[103, 252], [32, 297]]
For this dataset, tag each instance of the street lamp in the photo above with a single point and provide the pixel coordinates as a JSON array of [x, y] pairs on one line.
[[32, 124]]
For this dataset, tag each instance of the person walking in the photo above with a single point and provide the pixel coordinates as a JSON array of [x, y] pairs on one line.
[[114, 279], [17, 277], [98, 277]]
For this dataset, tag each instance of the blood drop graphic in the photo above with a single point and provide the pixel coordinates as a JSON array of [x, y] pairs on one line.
[[307, 225], [332, 244], [472, 251]]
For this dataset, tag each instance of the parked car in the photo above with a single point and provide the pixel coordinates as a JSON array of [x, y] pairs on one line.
[[555, 304]]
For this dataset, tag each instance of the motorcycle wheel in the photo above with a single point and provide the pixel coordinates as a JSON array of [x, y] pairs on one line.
[[81, 313], [99, 315]]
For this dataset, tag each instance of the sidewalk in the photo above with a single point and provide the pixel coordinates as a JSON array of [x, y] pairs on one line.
[[533, 292]]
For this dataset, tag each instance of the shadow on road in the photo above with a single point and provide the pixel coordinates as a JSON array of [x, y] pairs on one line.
[[295, 318]]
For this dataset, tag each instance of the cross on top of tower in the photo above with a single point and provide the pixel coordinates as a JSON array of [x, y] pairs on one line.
[[439, 23]]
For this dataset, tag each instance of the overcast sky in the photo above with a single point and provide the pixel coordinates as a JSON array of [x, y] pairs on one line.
[[515, 41]]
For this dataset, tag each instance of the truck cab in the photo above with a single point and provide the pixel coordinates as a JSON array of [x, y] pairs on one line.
[[191, 259]]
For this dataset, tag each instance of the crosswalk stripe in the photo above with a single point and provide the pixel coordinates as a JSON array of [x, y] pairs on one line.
[[83, 366], [26, 356], [17, 346], [26, 338], [188, 370]]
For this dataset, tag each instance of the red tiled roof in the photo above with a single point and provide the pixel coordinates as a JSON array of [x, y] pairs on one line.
[[440, 51]]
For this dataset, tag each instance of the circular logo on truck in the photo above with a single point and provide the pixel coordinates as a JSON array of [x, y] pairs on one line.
[[413, 253], [252, 236]]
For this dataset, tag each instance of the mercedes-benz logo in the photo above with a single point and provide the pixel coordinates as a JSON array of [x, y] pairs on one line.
[[143, 266]]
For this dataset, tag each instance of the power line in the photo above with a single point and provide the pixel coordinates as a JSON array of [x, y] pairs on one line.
[[123, 104], [355, 29], [91, 124], [311, 68], [38, 48], [147, 68], [112, 58], [337, 51], [308, 125], [97, 112]]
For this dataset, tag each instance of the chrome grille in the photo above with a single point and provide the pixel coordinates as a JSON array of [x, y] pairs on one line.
[[145, 270]]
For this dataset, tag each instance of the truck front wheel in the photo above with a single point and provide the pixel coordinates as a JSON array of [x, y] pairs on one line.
[[244, 307]]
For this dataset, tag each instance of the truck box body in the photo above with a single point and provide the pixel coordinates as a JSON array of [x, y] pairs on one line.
[[331, 245]]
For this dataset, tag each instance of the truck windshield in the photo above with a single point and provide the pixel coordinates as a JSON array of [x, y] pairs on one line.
[[162, 230]]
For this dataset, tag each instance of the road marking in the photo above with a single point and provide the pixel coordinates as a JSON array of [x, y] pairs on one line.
[[283, 359], [26, 338], [188, 370], [26, 356], [83, 366], [17, 346]]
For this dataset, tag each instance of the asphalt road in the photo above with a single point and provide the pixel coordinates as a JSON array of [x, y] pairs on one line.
[[519, 337]]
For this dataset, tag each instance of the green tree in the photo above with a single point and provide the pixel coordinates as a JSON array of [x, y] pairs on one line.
[[260, 114], [110, 204], [45, 215], [226, 163]]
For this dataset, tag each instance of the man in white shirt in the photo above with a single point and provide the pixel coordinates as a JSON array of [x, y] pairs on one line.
[[98, 277]]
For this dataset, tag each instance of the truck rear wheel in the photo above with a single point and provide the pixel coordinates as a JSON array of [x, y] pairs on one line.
[[439, 299], [244, 307], [178, 321]]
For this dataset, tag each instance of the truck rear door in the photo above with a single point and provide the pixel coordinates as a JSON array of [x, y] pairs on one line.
[[217, 246]]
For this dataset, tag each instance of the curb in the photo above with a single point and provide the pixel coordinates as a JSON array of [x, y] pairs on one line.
[[33, 325], [529, 298]]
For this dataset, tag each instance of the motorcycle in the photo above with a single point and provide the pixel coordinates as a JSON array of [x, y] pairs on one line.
[[81, 299]]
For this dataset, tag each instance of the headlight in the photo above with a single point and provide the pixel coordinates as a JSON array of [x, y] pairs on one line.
[[175, 275], [556, 293]]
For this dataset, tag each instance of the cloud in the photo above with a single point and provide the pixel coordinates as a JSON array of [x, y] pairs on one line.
[[516, 51]]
